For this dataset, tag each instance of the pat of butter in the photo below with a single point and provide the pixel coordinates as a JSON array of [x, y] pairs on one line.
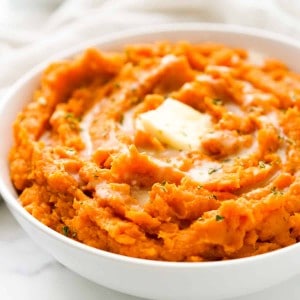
[[176, 124]]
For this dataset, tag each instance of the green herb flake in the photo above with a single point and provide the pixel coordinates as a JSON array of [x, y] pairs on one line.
[[117, 85], [213, 196], [135, 100], [163, 188], [66, 230], [261, 164], [70, 151], [217, 102], [199, 186], [275, 191], [283, 110], [69, 116], [163, 185], [241, 163], [121, 120], [280, 138], [212, 170], [219, 218], [183, 133], [133, 89], [104, 134], [73, 121], [226, 160], [290, 141]]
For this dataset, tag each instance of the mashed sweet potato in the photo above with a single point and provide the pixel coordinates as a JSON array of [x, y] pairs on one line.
[[84, 168]]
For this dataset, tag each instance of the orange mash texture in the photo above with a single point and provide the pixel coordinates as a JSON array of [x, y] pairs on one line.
[[82, 166]]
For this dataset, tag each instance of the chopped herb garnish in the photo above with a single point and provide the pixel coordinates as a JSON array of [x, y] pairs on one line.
[[73, 121], [275, 191], [217, 102], [226, 160], [183, 133], [212, 170], [261, 164], [283, 110], [71, 150], [163, 188], [213, 196], [121, 120], [199, 186], [72, 117], [133, 89], [219, 218], [290, 141], [66, 230], [135, 100], [162, 185], [104, 134], [279, 137], [73, 126], [276, 162], [69, 115], [117, 85]]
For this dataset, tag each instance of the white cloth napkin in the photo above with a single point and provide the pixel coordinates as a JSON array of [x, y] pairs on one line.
[[32, 30]]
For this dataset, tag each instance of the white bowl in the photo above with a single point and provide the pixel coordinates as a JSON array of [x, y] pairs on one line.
[[144, 278]]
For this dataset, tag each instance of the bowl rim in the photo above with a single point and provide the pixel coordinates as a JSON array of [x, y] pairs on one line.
[[12, 201]]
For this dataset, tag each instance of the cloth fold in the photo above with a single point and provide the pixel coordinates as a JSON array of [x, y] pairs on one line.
[[39, 32]]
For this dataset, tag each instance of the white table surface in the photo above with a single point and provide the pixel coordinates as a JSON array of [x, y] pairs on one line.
[[28, 273]]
